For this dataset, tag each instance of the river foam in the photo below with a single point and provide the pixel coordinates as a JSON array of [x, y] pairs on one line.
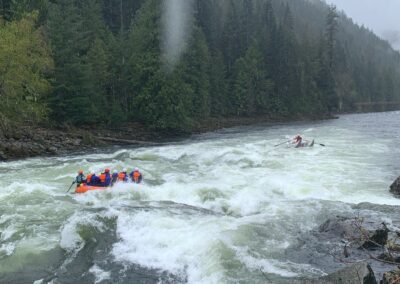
[[217, 208]]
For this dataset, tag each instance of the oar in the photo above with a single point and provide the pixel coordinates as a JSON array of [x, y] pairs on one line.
[[282, 143], [70, 186]]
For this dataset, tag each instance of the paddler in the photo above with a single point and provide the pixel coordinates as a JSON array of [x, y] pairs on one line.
[[123, 176], [114, 177], [297, 139], [105, 178], [136, 176], [80, 179]]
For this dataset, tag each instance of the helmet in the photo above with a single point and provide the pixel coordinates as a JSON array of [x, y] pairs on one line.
[[124, 170], [107, 170], [92, 173], [80, 172], [136, 169], [115, 172]]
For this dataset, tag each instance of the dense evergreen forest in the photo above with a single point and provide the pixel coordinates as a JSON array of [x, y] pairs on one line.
[[102, 62]]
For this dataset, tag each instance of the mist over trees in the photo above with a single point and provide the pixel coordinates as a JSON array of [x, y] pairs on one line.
[[101, 62]]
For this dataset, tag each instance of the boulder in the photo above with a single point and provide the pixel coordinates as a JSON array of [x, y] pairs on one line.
[[357, 273], [395, 187], [378, 239]]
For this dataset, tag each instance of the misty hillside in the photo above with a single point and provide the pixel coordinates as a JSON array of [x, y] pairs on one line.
[[171, 66]]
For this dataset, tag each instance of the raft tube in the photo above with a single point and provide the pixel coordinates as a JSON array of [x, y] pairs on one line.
[[85, 188]]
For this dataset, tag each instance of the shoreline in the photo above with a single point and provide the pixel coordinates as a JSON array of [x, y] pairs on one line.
[[29, 142]]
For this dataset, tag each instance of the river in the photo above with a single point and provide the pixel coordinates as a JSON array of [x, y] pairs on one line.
[[220, 207]]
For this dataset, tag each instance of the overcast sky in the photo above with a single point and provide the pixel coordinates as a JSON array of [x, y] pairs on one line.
[[382, 16]]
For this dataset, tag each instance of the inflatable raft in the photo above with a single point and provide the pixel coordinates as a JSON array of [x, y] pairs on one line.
[[85, 188], [304, 144]]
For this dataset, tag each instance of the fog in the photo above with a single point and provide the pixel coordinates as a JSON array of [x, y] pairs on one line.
[[177, 15], [378, 15]]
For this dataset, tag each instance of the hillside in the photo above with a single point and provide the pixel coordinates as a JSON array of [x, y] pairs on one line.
[[172, 67]]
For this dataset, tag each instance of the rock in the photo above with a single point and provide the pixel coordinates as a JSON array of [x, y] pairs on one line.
[[338, 241], [3, 156], [339, 226], [52, 150], [378, 239], [395, 187], [389, 257], [77, 142], [391, 277], [357, 273]]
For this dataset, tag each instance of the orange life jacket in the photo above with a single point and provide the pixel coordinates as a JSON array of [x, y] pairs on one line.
[[122, 176], [136, 176], [89, 178], [103, 178]]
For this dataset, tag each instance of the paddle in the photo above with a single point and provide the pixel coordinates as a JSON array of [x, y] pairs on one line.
[[70, 186], [323, 145], [282, 143]]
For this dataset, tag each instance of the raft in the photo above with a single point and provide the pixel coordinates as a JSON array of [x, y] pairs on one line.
[[85, 188], [304, 144]]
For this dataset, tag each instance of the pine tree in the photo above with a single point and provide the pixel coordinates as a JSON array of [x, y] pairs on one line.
[[195, 72]]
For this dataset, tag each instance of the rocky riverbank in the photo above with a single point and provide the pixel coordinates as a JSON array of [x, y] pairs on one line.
[[28, 141], [366, 245]]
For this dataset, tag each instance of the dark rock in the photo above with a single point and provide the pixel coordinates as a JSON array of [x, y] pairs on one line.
[[52, 150], [378, 239], [357, 273], [395, 187], [389, 257], [3, 156], [337, 241], [340, 226], [391, 277]]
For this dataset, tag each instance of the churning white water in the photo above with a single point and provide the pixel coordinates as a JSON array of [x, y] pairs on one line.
[[217, 208]]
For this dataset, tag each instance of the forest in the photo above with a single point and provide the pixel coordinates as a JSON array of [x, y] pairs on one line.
[[103, 62]]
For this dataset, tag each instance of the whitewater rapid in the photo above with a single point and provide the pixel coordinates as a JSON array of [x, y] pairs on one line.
[[216, 208]]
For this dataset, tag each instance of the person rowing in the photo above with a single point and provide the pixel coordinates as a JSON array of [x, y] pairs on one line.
[[136, 176], [297, 139], [80, 179]]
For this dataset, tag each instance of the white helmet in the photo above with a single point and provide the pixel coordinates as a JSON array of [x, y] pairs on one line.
[[136, 169], [124, 170], [92, 172], [115, 172]]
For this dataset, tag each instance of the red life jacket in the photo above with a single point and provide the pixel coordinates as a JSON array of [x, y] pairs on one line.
[[103, 178], [136, 176], [89, 178], [122, 176]]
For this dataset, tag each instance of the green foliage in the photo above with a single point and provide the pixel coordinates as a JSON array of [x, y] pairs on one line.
[[252, 90], [25, 64], [242, 58]]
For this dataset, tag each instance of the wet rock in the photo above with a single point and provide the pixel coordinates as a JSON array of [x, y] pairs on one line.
[[339, 226], [378, 239], [338, 241], [3, 156], [391, 277], [389, 257], [52, 150], [357, 273], [395, 187]]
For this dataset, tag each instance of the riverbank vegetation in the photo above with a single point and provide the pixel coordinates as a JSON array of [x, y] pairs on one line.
[[97, 62]]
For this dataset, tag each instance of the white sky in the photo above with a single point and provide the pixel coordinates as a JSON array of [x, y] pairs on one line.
[[381, 16]]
